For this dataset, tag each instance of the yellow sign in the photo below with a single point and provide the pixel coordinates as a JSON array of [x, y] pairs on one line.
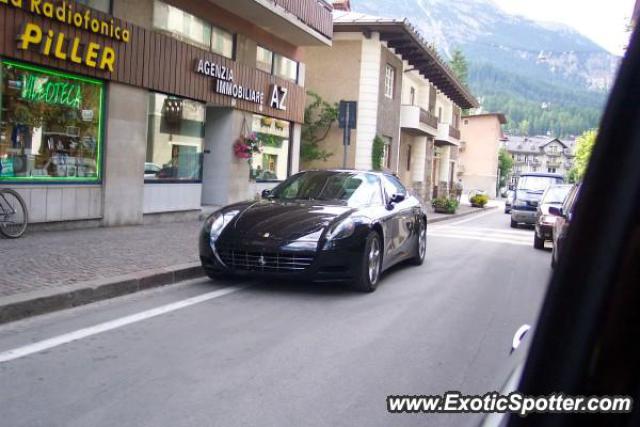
[[59, 45]]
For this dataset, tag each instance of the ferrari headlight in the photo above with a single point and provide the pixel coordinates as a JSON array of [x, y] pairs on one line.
[[342, 230], [217, 222]]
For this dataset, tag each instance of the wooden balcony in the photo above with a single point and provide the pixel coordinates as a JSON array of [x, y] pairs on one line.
[[300, 22], [454, 133], [428, 118], [417, 120], [314, 13]]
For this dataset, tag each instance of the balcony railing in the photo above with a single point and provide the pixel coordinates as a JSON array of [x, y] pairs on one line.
[[553, 153], [454, 133], [428, 118], [314, 13], [553, 164]]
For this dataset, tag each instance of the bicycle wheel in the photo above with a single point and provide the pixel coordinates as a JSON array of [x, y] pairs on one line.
[[13, 214]]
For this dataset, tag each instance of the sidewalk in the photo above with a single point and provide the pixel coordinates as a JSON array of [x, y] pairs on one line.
[[48, 271]]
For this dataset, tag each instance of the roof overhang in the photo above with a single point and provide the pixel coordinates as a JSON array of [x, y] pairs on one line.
[[405, 40]]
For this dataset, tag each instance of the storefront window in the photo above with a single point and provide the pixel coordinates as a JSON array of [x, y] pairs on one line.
[[101, 5], [273, 163], [50, 125], [285, 68], [175, 139], [181, 25]]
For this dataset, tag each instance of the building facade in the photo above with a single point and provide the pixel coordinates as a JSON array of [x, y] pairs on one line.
[[405, 93], [478, 152], [116, 110], [540, 154]]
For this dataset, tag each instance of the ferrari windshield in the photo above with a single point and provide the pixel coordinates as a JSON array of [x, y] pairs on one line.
[[353, 189]]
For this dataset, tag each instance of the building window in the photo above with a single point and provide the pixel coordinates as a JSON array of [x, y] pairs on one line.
[[51, 125], [101, 5], [551, 170], [386, 152], [412, 96], [409, 158], [264, 60], [222, 42], [181, 25], [272, 164], [389, 81], [191, 29], [174, 140], [285, 67]]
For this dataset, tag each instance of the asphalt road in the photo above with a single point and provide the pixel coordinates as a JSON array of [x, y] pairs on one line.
[[273, 354]]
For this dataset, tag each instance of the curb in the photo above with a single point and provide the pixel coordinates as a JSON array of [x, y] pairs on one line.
[[460, 215], [40, 302]]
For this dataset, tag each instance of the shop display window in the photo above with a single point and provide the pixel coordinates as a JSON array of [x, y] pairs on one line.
[[50, 125], [272, 163], [174, 140]]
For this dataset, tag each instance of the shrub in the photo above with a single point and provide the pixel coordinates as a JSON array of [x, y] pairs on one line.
[[479, 200], [377, 153], [445, 204]]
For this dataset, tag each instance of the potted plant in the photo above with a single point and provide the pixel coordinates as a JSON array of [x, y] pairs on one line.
[[280, 125], [246, 146], [266, 122], [479, 200], [445, 205]]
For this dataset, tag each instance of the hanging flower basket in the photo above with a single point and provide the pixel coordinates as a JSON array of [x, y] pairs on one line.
[[280, 125], [266, 121], [246, 146]]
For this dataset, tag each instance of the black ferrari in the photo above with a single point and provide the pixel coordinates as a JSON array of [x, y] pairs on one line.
[[325, 226]]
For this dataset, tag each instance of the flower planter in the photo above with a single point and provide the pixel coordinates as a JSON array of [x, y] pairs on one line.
[[444, 211]]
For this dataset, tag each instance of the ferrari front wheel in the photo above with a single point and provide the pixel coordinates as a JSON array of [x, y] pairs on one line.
[[371, 264]]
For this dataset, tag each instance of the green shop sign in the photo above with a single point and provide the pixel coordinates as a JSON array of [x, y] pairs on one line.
[[42, 89]]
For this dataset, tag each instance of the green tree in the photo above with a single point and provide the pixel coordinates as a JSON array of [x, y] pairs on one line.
[[505, 164], [460, 66], [584, 148], [524, 127], [319, 117]]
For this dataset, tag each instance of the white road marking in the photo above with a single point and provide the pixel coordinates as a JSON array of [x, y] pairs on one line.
[[39, 346], [472, 217], [483, 238], [498, 234]]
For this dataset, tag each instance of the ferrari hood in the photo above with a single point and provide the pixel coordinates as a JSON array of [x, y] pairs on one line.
[[286, 220]]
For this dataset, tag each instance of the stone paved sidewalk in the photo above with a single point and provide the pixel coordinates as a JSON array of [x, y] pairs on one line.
[[42, 260]]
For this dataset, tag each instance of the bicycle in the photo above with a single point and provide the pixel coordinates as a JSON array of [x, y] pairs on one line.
[[14, 216]]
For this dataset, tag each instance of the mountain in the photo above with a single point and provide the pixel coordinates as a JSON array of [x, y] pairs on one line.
[[546, 77]]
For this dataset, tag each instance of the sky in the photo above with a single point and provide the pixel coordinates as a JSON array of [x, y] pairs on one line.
[[603, 21]]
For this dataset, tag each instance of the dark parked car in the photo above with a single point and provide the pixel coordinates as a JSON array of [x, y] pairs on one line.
[[554, 196], [563, 215], [334, 225], [529, 191]]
